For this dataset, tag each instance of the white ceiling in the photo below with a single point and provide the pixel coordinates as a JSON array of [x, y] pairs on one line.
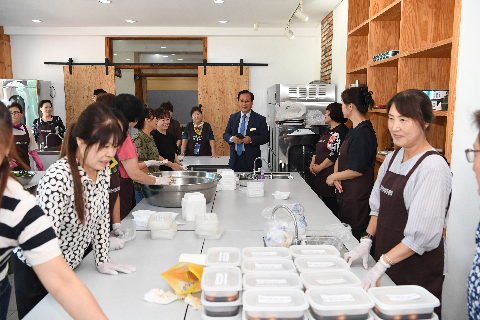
[[161, 13]]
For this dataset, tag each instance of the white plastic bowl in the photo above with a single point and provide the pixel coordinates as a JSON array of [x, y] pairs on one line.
[[280, 195]]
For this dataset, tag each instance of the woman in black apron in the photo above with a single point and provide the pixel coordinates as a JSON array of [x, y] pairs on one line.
[[326, 154], [24, 140], [48, 125], [409, 202], [198, 139], [353, 173]]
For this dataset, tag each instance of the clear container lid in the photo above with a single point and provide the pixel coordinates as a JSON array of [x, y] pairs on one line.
[[223, 256], [221, 279], [319, 279], [256, 280], [274, 300], [268, 265], [266, 253], [327, 263], [403, 299], [339, 298], [207, 303], [314, 251]]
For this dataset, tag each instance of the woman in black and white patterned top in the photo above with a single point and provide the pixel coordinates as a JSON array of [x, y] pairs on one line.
[[74, 194], [24, 224]]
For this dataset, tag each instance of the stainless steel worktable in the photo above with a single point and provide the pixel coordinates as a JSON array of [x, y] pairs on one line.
[[121, 296]]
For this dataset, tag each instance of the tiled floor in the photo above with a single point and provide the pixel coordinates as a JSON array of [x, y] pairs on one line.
[[12, 307]]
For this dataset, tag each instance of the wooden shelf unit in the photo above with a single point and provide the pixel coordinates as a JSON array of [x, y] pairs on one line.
[[426, 34]]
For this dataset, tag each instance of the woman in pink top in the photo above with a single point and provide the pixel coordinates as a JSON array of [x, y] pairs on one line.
[[130, 169]]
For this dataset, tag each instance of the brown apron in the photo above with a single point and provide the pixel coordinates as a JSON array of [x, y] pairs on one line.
[[44, 130], [205, 149], [21, 143], [126, 197], [113, 190], [322, 152], [353, 204], [423, 270]]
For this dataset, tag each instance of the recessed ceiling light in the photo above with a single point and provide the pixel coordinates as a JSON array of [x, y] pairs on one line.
[[163, 47], [131, 21], [104, 1], [114, 54], [165, 56], [223, 21], [173, 54], [127, 59], [179, 59], [37, 20], [218, 1]]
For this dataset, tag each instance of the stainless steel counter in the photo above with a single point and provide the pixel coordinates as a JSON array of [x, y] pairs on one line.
[[121, 296]]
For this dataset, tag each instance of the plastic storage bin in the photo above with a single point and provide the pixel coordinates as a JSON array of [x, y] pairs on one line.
[[221, 284], [160, 220], [344, 302], [274, 304], [312, 264], [278, 281], [309, 316], [403, 302], [268, 265], [168, 234], [222, 309], [206, 224], [314, 251], [321, 279], [223, 256], [266, 253]]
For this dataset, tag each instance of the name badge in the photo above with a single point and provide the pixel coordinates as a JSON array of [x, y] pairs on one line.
[[253, 129]]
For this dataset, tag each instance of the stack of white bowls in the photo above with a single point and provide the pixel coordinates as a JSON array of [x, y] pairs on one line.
[[193, 203], [228, 181]]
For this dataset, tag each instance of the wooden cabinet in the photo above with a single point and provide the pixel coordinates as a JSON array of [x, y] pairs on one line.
[[426, 34]]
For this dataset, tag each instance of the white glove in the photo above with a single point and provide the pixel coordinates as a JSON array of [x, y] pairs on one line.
[[375, 274], [116, 243], [164, 181], [150, 163], [360, 251], [117, 228], [114, 268]]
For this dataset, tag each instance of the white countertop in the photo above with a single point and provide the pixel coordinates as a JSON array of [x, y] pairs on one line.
[[121, 296], [205, 160]]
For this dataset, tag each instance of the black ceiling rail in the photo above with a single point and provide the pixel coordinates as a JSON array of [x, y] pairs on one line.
[[242, 64]]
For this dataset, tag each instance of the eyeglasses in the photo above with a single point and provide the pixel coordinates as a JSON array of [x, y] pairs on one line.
[[14, 113], [470, 154]]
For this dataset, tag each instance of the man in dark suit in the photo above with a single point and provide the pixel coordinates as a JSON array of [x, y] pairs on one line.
[[246, 130]]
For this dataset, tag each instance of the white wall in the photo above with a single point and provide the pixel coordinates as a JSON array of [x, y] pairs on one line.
[[464, 209], [339, 47]]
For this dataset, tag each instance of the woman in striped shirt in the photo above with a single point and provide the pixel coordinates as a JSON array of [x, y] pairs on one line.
[[409, 202], [22, 223]]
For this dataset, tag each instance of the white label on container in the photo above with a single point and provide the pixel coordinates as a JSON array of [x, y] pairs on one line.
[[274, 299], [331, 281], [264, 253], [337, 297], [221, 278], [320, 264], [403, 297], [158, 217], [224, 256], [271, 281], [268, 266], [314, 251], [206, 217]]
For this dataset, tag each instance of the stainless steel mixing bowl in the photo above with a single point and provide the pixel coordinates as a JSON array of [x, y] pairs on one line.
[[170, 196]]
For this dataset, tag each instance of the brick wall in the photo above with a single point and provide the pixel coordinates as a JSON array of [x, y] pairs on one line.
[[327, 36]]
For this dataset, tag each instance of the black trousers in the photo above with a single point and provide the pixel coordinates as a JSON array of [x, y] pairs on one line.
[[240, 164], [331, 203], [29, 291]]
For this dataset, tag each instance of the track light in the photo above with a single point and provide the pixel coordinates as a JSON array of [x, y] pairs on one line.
[[301, 15], [288, 33]]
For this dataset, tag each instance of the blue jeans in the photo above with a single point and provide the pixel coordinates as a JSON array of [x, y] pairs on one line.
[[5, 290], [138, 196]]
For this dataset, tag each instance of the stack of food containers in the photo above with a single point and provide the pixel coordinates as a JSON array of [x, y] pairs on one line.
[[228, 180], [206, 226], [193, 203], [403, 302], [162, 226], [255, 189], [222, 284]]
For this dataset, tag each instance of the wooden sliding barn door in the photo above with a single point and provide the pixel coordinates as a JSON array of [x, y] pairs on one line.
[[217, 93], [79, 87]]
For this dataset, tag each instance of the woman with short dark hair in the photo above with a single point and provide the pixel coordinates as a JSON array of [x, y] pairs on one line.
[[48, 126], [327, 149], [165, 142], [409, 203], [198, 139]]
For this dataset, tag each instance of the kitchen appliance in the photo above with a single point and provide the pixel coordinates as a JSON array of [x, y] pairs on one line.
[[292, 141], [28, 93]]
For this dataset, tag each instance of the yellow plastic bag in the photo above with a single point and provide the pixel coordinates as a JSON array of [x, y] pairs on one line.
[[184, 277]]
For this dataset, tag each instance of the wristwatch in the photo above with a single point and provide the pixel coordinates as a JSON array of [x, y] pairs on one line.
[[366, 235]]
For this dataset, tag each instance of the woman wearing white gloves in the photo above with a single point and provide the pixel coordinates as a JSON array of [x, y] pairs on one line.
[[130, 167], [74, 195], [408, 203]]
